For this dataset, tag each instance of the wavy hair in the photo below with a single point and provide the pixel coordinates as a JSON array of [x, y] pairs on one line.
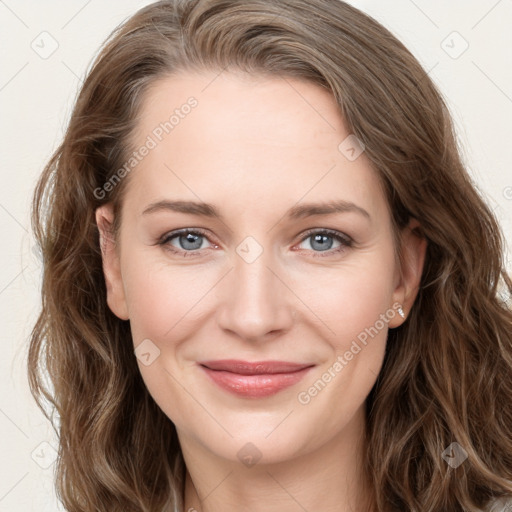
[[447, 372]]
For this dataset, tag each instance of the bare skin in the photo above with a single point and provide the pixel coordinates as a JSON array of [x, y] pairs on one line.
[[255, 148]]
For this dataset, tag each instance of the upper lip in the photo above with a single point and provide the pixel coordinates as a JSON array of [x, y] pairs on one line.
[[254, 368]]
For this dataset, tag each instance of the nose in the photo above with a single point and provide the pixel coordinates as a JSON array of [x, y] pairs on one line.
[[256, 304]]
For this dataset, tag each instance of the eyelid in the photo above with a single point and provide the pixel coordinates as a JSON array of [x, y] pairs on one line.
[[172, 234], [332, 232]]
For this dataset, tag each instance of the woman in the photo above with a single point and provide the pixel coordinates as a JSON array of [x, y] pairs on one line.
[[333, 338]]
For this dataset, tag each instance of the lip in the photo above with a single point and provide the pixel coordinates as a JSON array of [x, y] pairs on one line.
[[254, 379]]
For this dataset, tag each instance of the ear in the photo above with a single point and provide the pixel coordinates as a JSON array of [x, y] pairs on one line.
[[116, 299], [414, 246]]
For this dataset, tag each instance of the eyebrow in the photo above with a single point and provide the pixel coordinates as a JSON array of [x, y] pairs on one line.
[[296, 212]]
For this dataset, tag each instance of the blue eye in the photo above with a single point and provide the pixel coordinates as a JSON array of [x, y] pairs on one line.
[[322, 241], [189, 242]]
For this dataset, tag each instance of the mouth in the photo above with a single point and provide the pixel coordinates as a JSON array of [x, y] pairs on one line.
[[254, 379]]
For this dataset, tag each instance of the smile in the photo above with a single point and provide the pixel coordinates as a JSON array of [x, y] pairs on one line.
[[254, 380]]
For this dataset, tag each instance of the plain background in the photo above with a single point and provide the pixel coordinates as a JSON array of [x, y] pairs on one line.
[[465, 46]]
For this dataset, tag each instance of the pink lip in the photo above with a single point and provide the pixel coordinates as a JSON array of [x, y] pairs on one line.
[[254, 380]]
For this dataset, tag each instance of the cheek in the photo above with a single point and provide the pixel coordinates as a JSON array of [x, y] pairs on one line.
[[163, 304], [350, 297], [357, 306], [161, 296], [363, 298]]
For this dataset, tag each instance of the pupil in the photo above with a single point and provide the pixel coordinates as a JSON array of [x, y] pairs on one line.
[[321, 239], [191, 238]]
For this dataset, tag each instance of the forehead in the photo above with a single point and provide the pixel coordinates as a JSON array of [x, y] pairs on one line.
[[228, 136], [241, 109]]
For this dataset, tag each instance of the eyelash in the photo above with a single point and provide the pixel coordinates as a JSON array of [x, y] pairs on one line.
[[345, 240]]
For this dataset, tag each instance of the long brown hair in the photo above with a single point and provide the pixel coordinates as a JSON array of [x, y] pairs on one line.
[[447, 373]]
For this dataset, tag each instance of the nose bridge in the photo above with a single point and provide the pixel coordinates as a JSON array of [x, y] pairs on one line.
[[255, 301]]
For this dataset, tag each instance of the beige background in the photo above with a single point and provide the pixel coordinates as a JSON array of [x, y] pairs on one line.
[[36, 95]]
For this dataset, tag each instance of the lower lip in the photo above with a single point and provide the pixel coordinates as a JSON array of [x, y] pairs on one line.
[[255, 386]]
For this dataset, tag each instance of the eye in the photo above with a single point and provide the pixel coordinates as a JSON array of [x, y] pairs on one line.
[[187, 241], [322, 241]]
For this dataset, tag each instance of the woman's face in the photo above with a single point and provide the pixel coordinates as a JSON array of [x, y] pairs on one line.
[[285, 258]]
